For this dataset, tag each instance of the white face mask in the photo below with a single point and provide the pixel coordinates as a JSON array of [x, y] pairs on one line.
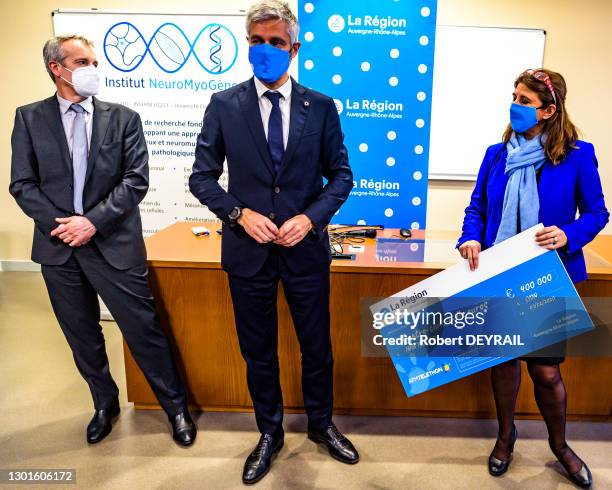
[[85, 80]]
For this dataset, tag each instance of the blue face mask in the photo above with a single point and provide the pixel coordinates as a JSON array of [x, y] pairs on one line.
[[522, 117], [269, 63]]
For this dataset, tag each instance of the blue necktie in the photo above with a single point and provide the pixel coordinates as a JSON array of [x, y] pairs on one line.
[[79, 155], [276, 146]]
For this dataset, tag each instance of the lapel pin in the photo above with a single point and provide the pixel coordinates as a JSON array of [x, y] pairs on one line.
[[306, 103]]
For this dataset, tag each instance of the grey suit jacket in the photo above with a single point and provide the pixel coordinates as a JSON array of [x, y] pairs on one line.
[[117, 179]]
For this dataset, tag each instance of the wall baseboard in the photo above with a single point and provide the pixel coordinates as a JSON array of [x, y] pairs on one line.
[[29, 266], [19, 266]]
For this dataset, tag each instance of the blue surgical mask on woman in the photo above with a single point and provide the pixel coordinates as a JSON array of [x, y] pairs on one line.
[[269, 63], [523, 117]]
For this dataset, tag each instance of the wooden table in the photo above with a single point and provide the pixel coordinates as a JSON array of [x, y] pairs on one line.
[[195, 308]]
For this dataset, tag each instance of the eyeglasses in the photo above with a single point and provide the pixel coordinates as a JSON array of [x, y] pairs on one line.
[[543, 77]]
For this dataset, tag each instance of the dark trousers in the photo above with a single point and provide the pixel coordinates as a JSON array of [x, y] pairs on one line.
[[254, 301], [74, 288]]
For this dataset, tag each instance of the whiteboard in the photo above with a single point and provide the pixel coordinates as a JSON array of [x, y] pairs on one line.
[[474, 73]]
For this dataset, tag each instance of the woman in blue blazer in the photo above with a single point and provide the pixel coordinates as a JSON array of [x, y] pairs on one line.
[[541, 172]]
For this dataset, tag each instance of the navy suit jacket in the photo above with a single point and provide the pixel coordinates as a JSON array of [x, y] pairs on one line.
[[563, 189], [232, 129], [116, 180]]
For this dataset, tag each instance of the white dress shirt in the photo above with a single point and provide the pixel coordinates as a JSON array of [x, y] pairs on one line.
[[265, 106], [68, 118]]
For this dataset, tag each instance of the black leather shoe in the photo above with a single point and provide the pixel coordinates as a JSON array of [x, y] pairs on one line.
[[101, 423], [184, 430], [583, 477], [339, 447], [258, 463], [497, 467]]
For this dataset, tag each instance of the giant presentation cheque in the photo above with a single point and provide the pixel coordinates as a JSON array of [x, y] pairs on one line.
[[458, 322]]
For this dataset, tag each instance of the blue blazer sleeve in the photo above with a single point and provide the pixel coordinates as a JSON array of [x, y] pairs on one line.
[[590, 201], [208, 166], [335, 168], [476, 212]]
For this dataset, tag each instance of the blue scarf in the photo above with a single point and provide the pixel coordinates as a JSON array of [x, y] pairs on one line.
[[521, 201]]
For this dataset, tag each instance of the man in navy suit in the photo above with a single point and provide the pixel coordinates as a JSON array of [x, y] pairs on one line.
[[280, 140]]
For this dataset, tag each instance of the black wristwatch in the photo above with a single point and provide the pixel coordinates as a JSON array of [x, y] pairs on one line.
[[234, 215]]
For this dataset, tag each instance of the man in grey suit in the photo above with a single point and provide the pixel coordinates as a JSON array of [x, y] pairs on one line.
[[79, 170]]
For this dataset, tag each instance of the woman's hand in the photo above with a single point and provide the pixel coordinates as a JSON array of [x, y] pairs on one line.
[[470, 250], [551, 237]]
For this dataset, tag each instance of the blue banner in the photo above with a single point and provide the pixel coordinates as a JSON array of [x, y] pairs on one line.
[[376, 60]]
